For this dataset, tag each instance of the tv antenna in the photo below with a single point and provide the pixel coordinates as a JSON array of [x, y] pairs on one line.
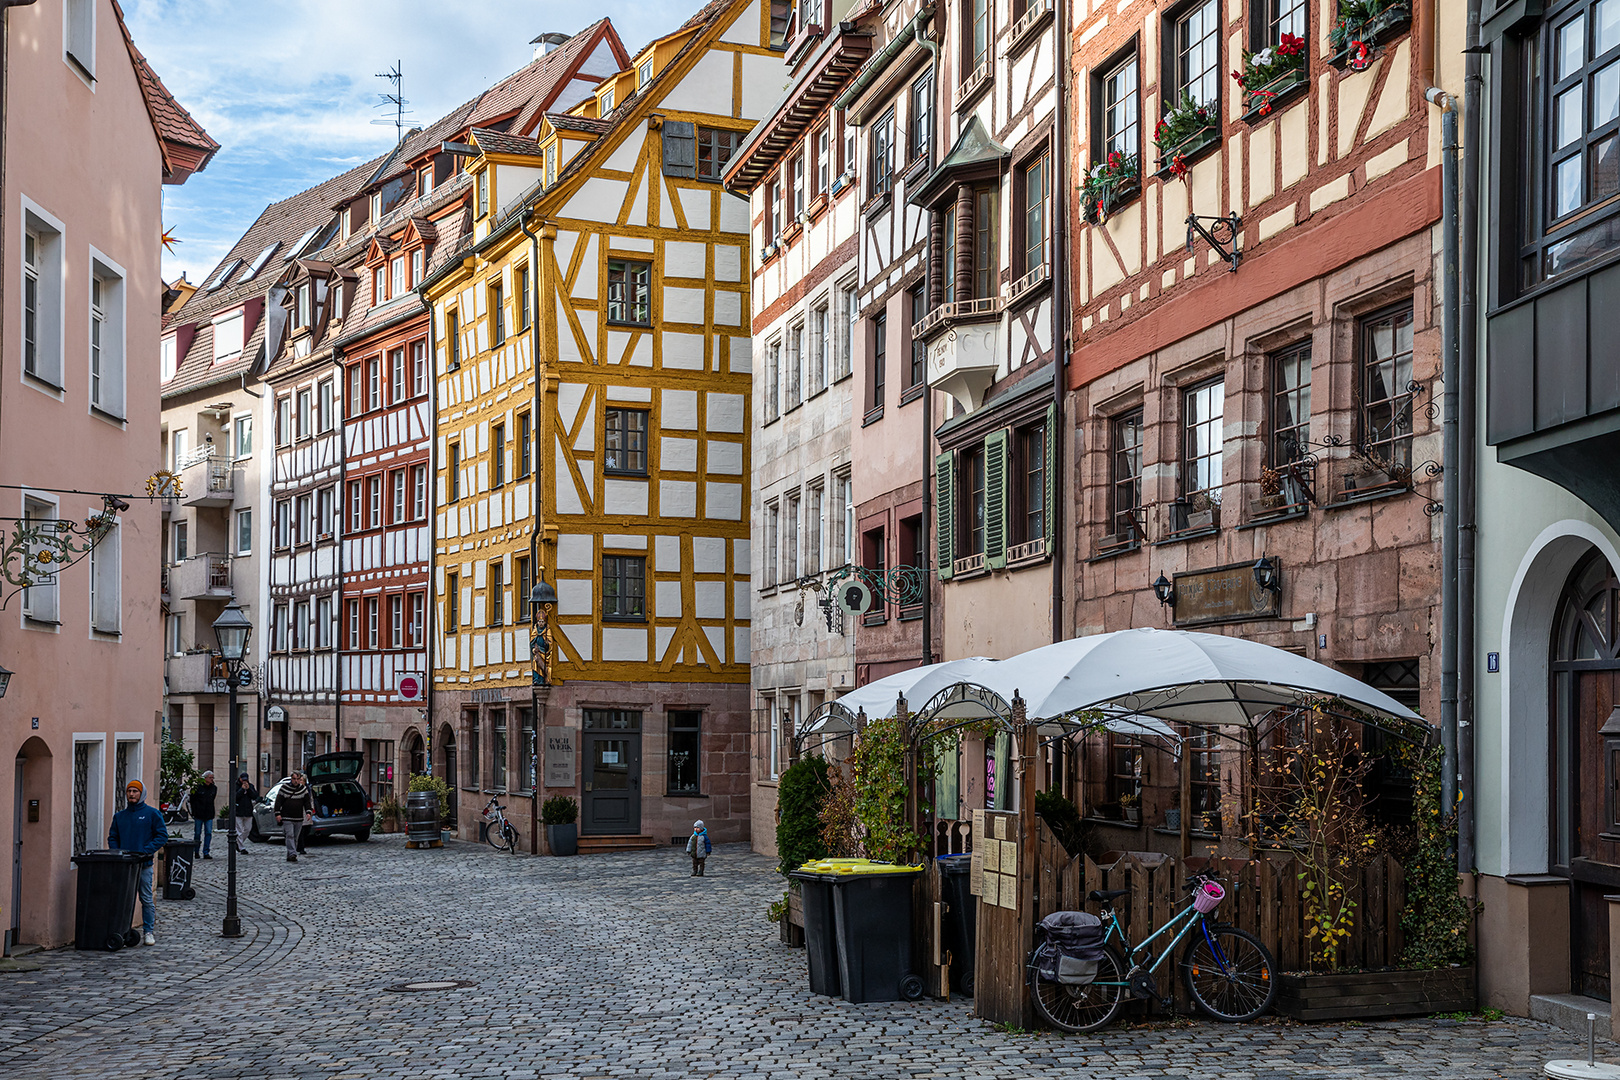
[[395, 100]]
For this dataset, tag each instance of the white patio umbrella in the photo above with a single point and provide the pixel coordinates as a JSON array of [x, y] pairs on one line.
[[879, 698]]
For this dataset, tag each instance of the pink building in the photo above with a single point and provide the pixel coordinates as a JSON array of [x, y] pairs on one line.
[[90, 134]]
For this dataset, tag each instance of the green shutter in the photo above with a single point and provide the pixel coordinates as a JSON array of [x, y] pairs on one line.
[[944, 522], [1049, 471], [995, 500]]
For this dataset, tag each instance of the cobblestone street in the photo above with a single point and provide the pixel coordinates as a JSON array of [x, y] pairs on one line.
[[607, 966]]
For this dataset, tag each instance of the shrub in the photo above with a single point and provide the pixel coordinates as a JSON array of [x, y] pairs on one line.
[[1436, 917], [559, 810], [801, 795], [177, 773], [428, 782]]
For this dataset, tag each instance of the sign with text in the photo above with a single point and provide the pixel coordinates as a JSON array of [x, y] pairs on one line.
[[559, 757], [1223, 594]]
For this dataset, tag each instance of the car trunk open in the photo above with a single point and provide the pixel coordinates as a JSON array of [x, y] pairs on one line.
[[340, 799], [343, 765]]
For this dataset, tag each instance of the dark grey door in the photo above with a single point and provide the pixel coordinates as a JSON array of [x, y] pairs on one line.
[[15, 926], [612, 783]]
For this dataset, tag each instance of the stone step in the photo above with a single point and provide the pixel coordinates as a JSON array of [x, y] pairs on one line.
[[1568, 1011], [596, 845]]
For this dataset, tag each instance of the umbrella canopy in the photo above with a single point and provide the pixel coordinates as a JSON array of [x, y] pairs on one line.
[[1206, 680], [879, 698]]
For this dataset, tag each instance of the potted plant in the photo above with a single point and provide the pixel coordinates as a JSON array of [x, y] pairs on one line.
[[1200, 512], [1131, 805], [1186, 128], [1172, 819], [559, 814], [1268, 75], [390, 815], [1110, 184]]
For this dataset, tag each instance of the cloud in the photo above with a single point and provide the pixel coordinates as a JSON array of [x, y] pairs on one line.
[[288, 87]]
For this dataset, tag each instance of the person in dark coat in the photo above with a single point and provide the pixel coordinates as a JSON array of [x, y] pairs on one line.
[[295, 804], [204, 808], [699, 847], [245, 795], [139, 828]]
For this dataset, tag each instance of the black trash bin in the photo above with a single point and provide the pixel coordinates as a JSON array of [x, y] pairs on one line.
[[873, 909], [820, 931], [179, 855], [960, 922], [104, 904]]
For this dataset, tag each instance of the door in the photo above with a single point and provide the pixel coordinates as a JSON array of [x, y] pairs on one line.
[[18, 807], [612, 804]]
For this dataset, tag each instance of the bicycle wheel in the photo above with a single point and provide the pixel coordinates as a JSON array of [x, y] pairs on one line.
[[1082, 1008], [1228, 973], [509, 835], [499, 835]]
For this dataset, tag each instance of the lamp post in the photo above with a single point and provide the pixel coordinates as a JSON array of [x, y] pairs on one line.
[[540, 598], [231, 632]]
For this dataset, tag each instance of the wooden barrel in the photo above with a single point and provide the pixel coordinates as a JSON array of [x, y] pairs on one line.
[[422, 816]]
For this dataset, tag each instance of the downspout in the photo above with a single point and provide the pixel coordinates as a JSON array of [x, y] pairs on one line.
[[928, 394], [1061, 311], [342, 490], [1450, 302], [534, 517], [1467, 435], [430, 610]]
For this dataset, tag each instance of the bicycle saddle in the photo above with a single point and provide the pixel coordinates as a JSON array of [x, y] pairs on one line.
[[1102, 896]]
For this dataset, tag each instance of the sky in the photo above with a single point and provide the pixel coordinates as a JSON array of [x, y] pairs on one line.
[[288, 87]]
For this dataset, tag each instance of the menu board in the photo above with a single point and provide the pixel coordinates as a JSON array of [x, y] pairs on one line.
[[976, 863], [999, 845]]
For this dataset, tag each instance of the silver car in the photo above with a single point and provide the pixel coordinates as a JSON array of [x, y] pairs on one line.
[[341, 805]]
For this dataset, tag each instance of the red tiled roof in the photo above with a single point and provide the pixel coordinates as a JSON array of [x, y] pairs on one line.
[[496, 142], [187, 148], [541, 78]]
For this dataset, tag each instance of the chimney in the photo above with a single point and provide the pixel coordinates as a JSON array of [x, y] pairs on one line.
[[547, 42]]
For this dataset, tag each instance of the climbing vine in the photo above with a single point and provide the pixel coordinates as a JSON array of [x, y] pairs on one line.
[[1436, 917], [866, 809]]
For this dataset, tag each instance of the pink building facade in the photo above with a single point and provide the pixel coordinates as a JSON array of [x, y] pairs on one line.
[[90, 136]]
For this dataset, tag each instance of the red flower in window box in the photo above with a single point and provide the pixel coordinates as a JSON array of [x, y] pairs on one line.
[[1291, 45]]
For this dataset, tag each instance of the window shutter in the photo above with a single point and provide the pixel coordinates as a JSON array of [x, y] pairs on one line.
[[1051, 464], [995, 500], [944, 520], [680, 148]]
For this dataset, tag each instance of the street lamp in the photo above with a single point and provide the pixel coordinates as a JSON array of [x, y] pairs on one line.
[[231, 632], [1165, 591], [1267, 575], [541, 597], [5, 680]]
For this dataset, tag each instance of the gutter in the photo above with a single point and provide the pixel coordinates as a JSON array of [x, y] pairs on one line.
[[1467, 433], [534, 519], [875, 67], [928, 392], [1063, 310]]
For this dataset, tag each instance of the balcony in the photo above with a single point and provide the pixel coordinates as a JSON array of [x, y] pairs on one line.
[[964, 348], [195, 673], [207, 481], [201, 577]]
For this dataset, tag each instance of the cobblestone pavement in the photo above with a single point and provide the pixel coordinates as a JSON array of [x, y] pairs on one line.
[[606, 966]]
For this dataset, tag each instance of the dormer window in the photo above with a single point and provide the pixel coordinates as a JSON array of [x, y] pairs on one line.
[[483, 193], [301, 314], [644, 73], [376, 206], [551, 164], [397, 268], [424, 183], [377, 286], [605, 104], [416, 267]]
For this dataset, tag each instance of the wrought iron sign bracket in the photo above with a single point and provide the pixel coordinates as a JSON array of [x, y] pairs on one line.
[[1212, 233]]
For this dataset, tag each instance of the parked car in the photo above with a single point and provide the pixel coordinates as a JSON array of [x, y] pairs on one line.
[[341, 805]]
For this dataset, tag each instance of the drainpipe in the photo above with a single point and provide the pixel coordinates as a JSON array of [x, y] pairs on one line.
[[342, 490], [534, 517], [1467, 435], [1062, 310], [1450, 302], [928, 394], [430, 611]]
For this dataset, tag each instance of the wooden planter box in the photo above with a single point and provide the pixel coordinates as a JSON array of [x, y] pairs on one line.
[[1188, 149], [1263, 101], [1364, 995]]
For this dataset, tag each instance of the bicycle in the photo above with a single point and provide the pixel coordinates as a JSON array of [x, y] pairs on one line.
[[500, 833], [1228, 973]]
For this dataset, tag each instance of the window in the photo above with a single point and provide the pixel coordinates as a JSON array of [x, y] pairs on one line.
[[106, 339], [815, 524], [520, 278], [79, 37], [452, 602], [790, 553], [1121, 112], [354, 624], [180, 447], [874, 556], [284, 433], [821, 179], [781, 13], [416, 267], [284, 525], [970, 483], [243, 441], [949, 257], [795, 366], [244, 531], [497, 748], [796, 170], [917, 301], [453, 472], [397, 486], [323, 622], [817, 359], [170, 358], [850, 149], [685, 752], [373, 383], [357, 519], [1125, 491], [625, 440], [526, 745], [483, 192], [522, 572], [978, 43], [452, 339], [379, 286], [357, 390], [774, 215], [1032, 468], [644, 73], [1290, 404], [326, 511], [880, 359], [304, 415], [773, 542], [325, 419], [371, 622], [1035, 189], [42, 301], [551, 163], [418, 617], [1386, 386], [300, 625], [419, 372], [376, 204], [182, 535], [714, 149], [624, 584], [1197, 58], [848, 313], [106, 577], [303, 520], [374, 502], [920, 119], [773, 380], [497, 454], [418, 492], [1283, 17], [396, 622], [396, 376], [278, 629], [1202, 408], [301, 316], [497, 315], [986, 246], [525, 447], [497, 594], [846, 497], [177, 636], [882, 166], [629, 292]]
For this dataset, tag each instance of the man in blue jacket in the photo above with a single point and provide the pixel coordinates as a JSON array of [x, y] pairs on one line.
[[139, 827]]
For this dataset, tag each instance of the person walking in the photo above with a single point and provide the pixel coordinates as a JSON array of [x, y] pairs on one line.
[[203, 811], [698, 846], [294, 805], [139, 828], [245, 795]]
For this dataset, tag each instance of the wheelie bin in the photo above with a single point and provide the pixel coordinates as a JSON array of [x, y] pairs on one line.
[[820, 924], [178, 856], [871, 904], [104, 904], [960, 924]]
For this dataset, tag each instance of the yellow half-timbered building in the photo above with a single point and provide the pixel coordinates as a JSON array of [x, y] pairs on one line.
[[615, 468]]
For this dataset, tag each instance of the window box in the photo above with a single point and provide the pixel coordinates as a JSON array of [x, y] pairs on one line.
[[1173, 160], [1037, 15], [877, 204], [1116, 542], [1031, 551], [975, 84], [1357, 35], [1262, 101], [1110, 185], [1274, 506], [969, 564], [791, 233], [1370, 486], [818, 205]]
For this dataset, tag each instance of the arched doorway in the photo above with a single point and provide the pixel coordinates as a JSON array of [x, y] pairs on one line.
[[1585, 752], [447, 766], [30, 842], [415, 754]]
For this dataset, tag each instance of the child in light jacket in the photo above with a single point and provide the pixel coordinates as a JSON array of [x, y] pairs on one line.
[[698, 846]]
